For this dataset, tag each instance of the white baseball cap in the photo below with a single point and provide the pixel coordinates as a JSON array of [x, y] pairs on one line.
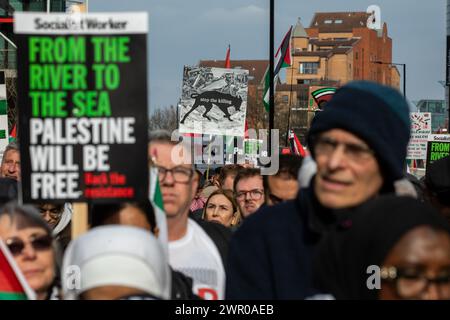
[[116, 255]]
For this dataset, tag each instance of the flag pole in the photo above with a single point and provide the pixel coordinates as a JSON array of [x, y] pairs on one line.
[[209, 157], [290, 105], [271, 80]]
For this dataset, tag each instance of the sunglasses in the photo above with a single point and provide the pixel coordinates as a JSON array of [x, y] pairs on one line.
[[39, 243]]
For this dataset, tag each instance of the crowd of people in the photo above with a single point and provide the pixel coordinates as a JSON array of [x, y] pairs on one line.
[[346, 222]]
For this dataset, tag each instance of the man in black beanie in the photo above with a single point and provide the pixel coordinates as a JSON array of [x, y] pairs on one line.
[[359, 144]]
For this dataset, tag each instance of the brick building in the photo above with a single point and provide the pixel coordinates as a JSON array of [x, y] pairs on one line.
[[338, 46]]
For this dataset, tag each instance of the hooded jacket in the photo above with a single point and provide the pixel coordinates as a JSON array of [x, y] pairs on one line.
[[62, 231]]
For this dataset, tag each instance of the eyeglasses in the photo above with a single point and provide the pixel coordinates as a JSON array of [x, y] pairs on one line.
[[179, 174], [11, 162], [39, 243], [354, 152], [54, 213], [255, 194], [411, 284]]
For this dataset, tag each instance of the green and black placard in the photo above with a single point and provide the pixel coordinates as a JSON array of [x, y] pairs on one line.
[[82, 81], [437, 150]]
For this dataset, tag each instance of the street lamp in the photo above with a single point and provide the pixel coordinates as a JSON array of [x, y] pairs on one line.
[[404, 72]]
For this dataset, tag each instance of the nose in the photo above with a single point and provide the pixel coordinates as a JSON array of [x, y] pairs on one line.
[[337, 157], [28, 252], [168, 181], [46, 216], [216, 212], [248, 196], [432, 292]]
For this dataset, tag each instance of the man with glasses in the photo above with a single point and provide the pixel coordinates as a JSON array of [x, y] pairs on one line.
[[249, 190], [359, 144], [196, 248], [10, 167]]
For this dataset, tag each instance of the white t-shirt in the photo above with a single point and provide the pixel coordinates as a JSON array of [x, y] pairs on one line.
[[197, 256]]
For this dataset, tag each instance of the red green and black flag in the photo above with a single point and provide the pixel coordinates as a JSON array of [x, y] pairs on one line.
[[13, 285], [295, 145], [13, 134], [283, 59], [227, 59]]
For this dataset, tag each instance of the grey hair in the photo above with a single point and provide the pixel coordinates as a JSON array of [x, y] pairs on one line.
[[159, 136], [12, 146], [24, 216]]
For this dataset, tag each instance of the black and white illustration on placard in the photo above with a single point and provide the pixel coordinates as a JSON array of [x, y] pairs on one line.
[[213, 101]]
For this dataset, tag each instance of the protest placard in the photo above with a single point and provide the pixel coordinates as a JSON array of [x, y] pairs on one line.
[[214, 101], [417, 147], [420, 122], [438, 147], [83, 98]]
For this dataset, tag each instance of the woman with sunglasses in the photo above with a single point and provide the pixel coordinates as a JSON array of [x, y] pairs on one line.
[[29, 239]]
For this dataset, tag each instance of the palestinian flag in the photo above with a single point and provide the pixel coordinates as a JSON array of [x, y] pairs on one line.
[[156, 200], [13, 285], [322, 96], [227, 59], [283, 59], [295, 145], [13, 134]]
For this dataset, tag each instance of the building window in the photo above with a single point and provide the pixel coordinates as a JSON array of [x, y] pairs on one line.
[[308, 67], [356, 55], [285, 99], [304, 81], [328, 21], [338, 21]]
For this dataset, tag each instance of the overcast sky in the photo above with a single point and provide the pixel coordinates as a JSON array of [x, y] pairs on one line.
[[183, 32]]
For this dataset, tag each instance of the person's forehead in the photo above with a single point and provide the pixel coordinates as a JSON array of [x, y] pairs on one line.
[[131, 211], [249, 182], [283, 189], [422, 244], [343, 136], [12, 231], [50, 206], [219, 198], [12, 154], [5, 225], [230, 177], [169, 155], [281, 180]]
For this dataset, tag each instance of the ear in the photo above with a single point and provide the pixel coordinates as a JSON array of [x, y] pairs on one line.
[[194, 185], [156, 232], [236, 219]]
